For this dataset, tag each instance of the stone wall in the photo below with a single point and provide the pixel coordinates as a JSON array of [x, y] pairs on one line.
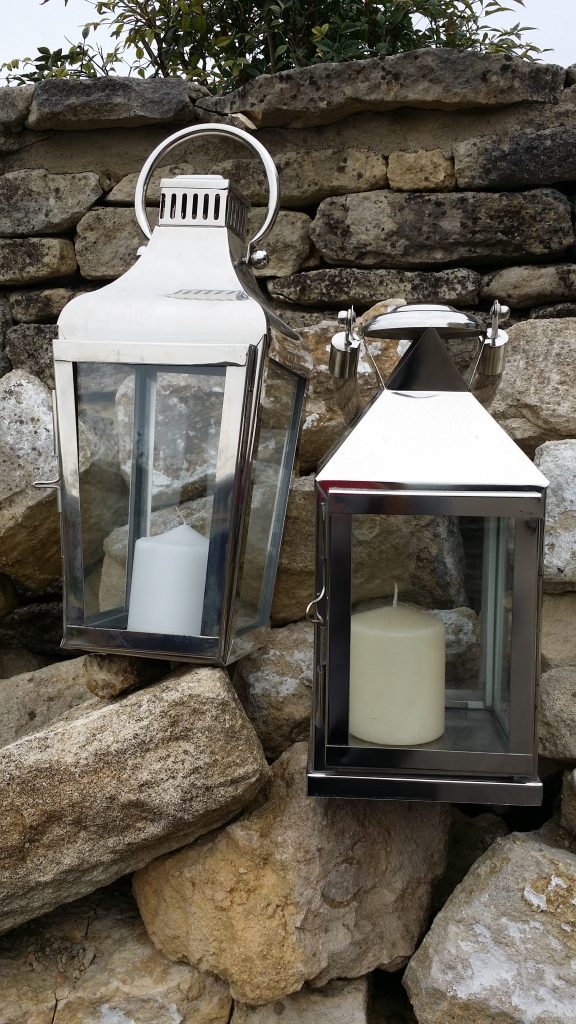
[[433, 176]]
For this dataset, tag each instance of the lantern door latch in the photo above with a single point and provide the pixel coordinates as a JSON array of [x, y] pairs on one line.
[[312, 613]]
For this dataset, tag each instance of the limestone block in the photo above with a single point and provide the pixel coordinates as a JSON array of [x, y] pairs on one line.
[[41, 305], [16, 660], [502, 947], [306, 177], [34, 628], [535, 401], [87, 103], [107, 242], [424, 171], [557, 714], [376, 229], [317, 889], [5, 323], [530, 285], [287, 245], [109, 675], [339, 286], [275, 687], [468, 839], [568, 804], [517, 160], [558, 638], [33, 700], [37, 202], [8, 596], [440, 79], [29, 349], [15, 103], [91, 961], [27, 260], [339, 1002], [557, 460], [94, 798], [563, 309]]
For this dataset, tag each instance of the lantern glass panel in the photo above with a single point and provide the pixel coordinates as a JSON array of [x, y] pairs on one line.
[[433, 670], [271, 474], [149, 440]]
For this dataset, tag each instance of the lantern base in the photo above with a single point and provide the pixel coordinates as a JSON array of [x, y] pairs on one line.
[[513, 791]]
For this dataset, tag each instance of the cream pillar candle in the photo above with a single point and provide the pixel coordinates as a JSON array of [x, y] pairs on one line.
[[397, 676], [168, 583]]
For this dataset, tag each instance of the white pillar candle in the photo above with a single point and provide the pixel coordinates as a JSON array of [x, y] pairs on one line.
[[168, 583], [397, 676]]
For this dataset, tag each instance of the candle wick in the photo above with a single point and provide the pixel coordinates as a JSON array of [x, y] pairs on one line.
[[395, 601]]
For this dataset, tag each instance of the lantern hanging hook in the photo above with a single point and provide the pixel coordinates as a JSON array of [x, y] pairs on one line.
[[228, 132]]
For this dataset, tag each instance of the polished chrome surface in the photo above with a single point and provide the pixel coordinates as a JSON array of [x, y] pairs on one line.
[[223, 131], [378, 786], [71, 530], [160, 352], [409, 322], [345, 347]]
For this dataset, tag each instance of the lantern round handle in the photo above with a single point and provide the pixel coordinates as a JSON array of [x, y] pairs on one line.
[[228, 132]]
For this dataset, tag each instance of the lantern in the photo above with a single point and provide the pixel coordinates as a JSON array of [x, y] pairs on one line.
[[429, 552], [177, 432]]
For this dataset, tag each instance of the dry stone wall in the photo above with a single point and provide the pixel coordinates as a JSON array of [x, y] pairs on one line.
[[433, 176]]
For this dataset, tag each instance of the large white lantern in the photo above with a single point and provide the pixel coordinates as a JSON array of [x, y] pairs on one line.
[[177, 432]]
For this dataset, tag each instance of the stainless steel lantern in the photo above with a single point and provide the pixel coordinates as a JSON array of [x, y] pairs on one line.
[[429, 548], [177, 432]]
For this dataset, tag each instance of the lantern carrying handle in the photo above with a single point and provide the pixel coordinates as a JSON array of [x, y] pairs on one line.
[[227, 132]]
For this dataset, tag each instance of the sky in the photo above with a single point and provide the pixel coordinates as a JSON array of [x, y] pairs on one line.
[[26, 25]]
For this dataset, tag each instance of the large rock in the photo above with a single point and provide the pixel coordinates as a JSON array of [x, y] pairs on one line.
[[107, 242], [27, 260], [305, 177], [16, 660], [81, 103], [392, 229], [275, 687], [94, 798], [316, 889], [557, 460], [340, 286], [109, 675], [518, 160], [557, 714], [502, 949], [424, 171], [535, 401], [8, 596], [558, 639], [91, 962], [568, 804], [560, 310], [32, 701], [431, 78], [29, 348], [15, 103], [37, 202], [5, 323], [468, 838], [339, 1002], [29, 534], [527, 286], [287, 245], [41, 305]]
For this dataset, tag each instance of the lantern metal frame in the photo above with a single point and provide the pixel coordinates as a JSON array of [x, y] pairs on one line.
[[242, 365], [342, 766]]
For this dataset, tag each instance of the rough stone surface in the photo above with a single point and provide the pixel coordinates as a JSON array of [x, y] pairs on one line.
[[558, 638], [535, 401], [91, 962], [29, 349], [402, 230], [109, 675], [317, 889], [568, 805], [557, 460], [561, 310], [36, 628], [434, 78], [15, 103], [425, 171], [108, 241], [29, 535], [5, 323], [15, 660], [287, 245], [468, 839], [8, 596], [94, 798], [502, 949], [37, 202], [32, 701], [339, 1002], [27, 260], [275, 687], [81, 103], [305, 177], [519, 287], [516, 161], [41, 305], [338, 286], [557, 714]]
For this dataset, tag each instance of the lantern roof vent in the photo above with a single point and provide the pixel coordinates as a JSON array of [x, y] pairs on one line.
[[203, 200]]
